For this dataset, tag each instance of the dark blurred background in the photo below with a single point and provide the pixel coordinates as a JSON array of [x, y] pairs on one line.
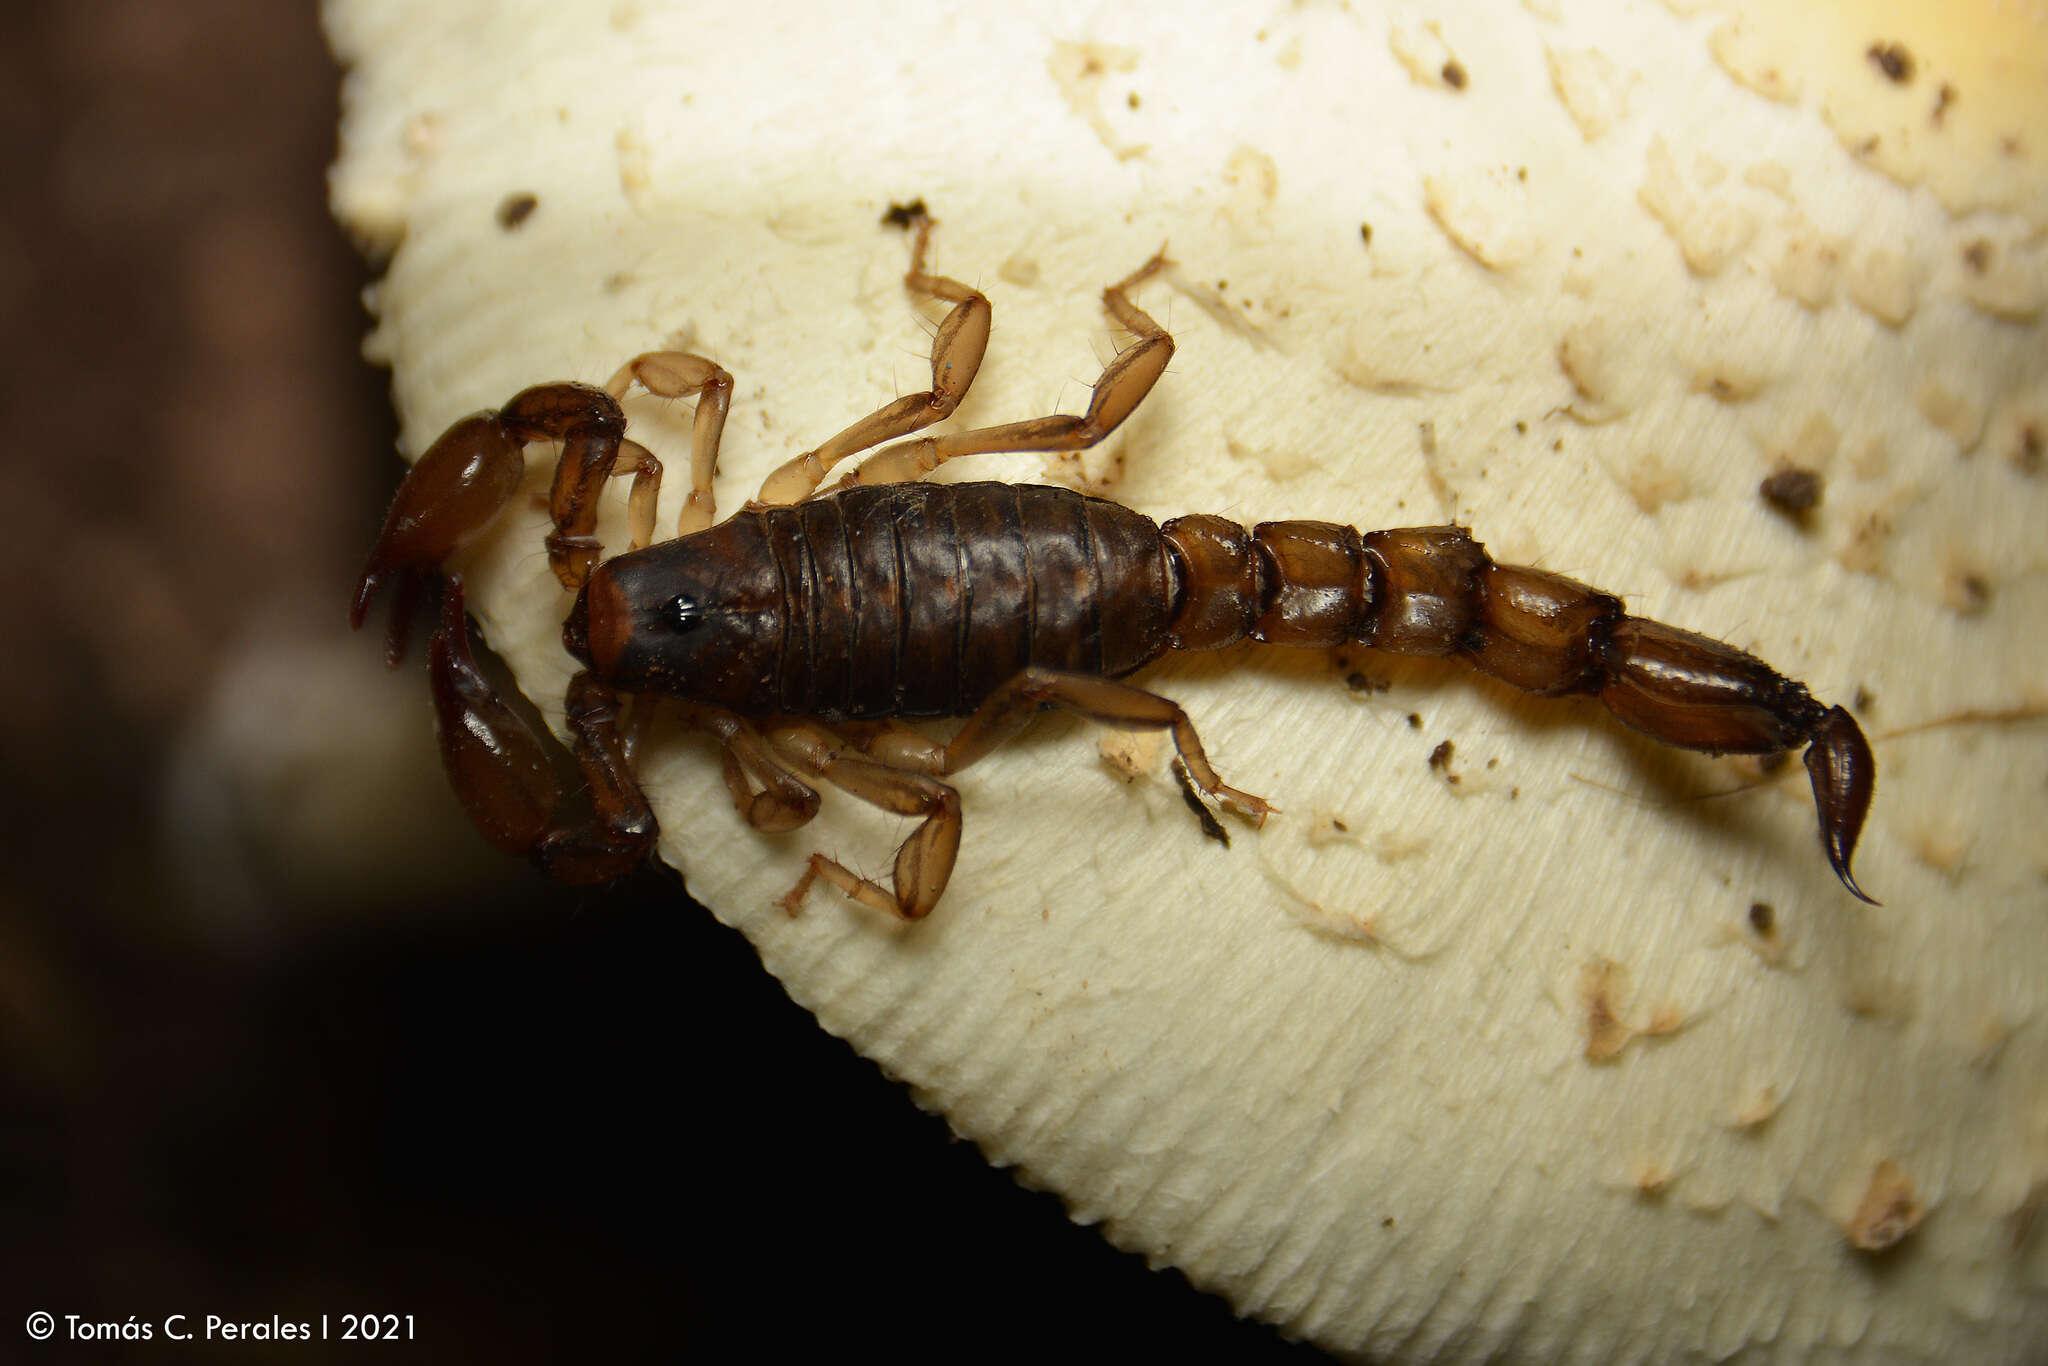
[[278, 1036]]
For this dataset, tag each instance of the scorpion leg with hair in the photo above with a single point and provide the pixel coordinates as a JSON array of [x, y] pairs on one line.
[[924, 861], [673, 374], [956, 354], [783, 801], [1105, 701], [1123, 384], [886, 778]]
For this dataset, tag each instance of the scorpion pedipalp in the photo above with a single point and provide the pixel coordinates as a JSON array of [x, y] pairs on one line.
[[500, 767], [495, 761], [451, 495]]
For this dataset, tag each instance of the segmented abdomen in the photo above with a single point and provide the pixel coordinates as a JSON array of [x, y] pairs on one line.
[[922, 599]]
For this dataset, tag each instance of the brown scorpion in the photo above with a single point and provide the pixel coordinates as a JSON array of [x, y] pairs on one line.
[[802, 629]]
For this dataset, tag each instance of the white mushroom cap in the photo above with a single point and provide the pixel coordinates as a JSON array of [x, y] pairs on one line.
[[1562, 1046]]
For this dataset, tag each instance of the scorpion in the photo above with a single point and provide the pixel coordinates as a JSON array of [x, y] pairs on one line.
[[803, 630]]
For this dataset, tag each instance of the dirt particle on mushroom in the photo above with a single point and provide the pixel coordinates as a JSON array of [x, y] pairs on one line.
[[1606, 1035], [1967, 590], [903, 215], [515, 209], [1792, 490], [1764, 934], [1130, 755], [1943, 98], [1893, 60], [1890, 1209], [1763, 918], [1727, 385], [1455, 75], [2027, 454]]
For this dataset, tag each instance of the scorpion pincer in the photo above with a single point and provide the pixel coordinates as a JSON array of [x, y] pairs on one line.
[[802, 630]]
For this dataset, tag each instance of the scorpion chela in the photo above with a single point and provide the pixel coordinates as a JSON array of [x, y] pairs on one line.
[[801, 630]]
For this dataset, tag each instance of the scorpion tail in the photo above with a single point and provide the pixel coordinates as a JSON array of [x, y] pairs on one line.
[[1703, 694], [1843, 772]]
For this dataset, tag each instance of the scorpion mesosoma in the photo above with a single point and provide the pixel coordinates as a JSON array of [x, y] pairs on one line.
[[799, 630]]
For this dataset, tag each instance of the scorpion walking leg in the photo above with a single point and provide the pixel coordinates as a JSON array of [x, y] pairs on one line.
[[782, 802], [499, 766], [1103, 700], [956, 357], [924, 861], [588, 423], [674, 374], [1121, 387]]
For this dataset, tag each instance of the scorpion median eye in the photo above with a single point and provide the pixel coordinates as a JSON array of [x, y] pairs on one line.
[[683, 614]]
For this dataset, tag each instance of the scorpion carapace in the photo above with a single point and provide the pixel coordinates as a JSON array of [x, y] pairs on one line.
[[802, 630]]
